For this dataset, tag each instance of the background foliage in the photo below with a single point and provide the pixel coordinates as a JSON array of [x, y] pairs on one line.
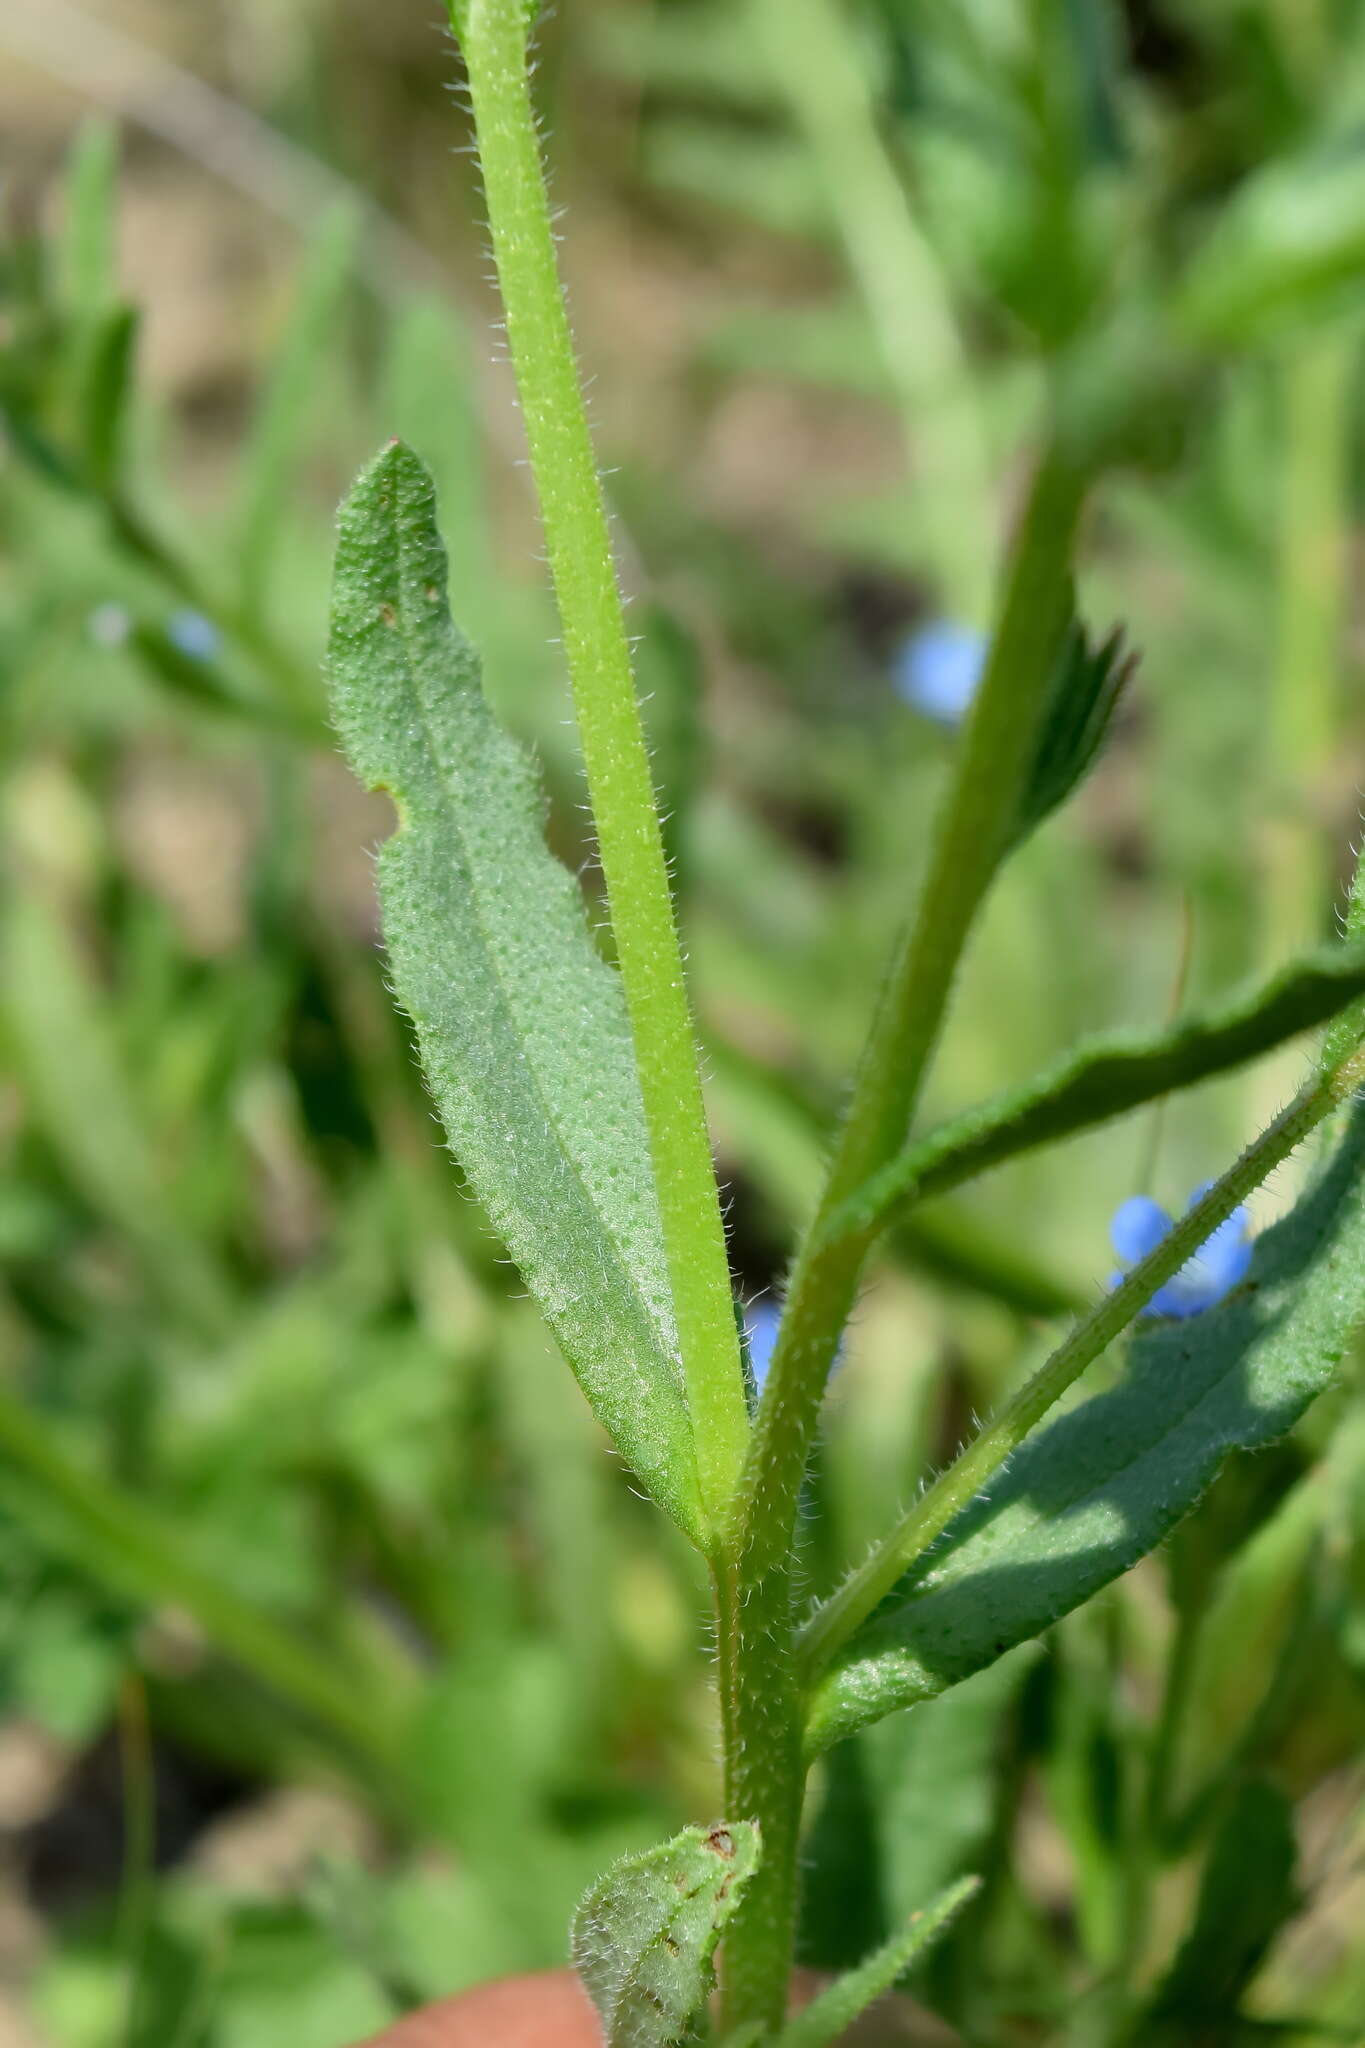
[[336, 1656]]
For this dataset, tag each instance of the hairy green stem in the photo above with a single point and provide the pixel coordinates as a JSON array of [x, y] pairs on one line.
[[833, 1623], [762, 1735], [492, 36]]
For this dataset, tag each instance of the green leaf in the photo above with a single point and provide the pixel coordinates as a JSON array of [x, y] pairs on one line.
[[1106, 1077], [86, 254], [1090, 681], [643, 1937], [107, 384], [521, 1024], [99, 334], [827, 2018], [1085, 1498]]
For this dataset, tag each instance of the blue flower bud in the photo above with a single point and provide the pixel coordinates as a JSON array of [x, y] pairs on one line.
[[938, 668], [1220, 1264], [762, 1319], [194, 635], [1137, 1229]]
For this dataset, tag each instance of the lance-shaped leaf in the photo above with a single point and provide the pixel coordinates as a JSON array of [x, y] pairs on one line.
[[643, 1938], [1085, 1498], [521, 1024], [828, 2018], [1085, 694], [1107, 1077]]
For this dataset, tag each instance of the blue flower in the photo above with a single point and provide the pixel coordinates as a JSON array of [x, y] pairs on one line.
[[938, 668], [194, 635], [761, 1322], [1220, 1264]]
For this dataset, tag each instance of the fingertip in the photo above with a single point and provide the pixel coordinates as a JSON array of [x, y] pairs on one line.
[[546, 2010]]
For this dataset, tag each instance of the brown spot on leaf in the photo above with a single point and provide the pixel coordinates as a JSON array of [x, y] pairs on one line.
[[388, 615], [722, 1843]]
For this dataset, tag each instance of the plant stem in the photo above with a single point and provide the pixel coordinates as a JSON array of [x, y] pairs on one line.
[[973, 833], [492, 35], [832, 1624], [762, 1734], [817, 63]]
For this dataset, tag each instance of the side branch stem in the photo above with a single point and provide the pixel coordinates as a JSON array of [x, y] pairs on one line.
[[973, 834]]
